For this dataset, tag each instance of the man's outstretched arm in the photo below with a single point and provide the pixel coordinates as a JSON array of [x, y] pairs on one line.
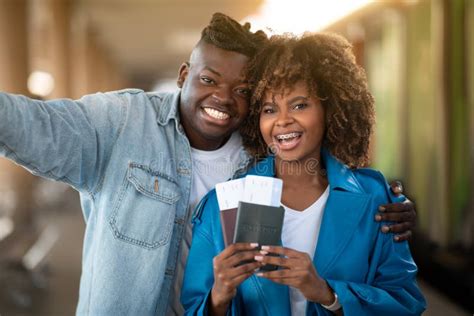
[[62, 140], [402, 215]]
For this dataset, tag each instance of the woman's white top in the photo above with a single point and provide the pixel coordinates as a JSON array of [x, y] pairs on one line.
[[300, 232]]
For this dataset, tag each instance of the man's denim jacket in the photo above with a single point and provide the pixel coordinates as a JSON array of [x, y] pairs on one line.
[[127, 155]]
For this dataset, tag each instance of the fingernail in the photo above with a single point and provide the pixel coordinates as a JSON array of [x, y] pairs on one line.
[[396, 238], [381, 208], [259, 274], [385, 229], [265, 247], [378, 218], [258, 258], [397, 187], [263, 252], [254, 245]]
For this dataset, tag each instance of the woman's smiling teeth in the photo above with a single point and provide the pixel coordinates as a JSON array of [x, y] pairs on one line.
[[288, 137], [216, 114]]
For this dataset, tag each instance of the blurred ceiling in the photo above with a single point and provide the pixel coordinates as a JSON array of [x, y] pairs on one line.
[[149, 39]]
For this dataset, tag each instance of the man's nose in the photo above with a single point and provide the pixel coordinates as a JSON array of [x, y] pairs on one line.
[[223, 95]]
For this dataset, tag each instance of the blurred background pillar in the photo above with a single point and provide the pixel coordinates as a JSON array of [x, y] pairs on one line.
[[470, 62], [93, 68], [427, 172], [48, 36], [457, 99], [15, 183]]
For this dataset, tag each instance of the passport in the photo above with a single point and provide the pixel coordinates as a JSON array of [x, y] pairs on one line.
[[228, 224], [228, 196], [254, 190], [262, 224]]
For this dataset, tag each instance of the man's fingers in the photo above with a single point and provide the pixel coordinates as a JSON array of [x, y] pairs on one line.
[[396, 228], [402, 237], [404, 206], [396, 187], [395, 217]]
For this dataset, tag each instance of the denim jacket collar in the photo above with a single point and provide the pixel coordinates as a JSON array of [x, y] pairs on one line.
[[170, 108]]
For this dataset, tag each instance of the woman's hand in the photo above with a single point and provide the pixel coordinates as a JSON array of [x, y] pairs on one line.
[[296, 270], [229, 274]]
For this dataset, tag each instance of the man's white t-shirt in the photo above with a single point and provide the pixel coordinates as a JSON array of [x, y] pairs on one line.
[[300, 232], [209, 168]]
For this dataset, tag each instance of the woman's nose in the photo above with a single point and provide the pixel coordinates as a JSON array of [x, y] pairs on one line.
[[284, 119]]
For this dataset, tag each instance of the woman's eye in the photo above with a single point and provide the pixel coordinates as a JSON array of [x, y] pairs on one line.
[[300, 106], [268, 111]]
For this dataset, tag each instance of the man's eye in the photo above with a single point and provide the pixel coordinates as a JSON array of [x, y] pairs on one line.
[[207, 80], [244, 91]]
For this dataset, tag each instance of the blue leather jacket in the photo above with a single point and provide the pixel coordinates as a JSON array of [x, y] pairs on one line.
[[371, 274], [127, 155]]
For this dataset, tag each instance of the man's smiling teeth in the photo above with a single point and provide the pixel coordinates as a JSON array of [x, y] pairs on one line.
[[284, 137], [216, 114]]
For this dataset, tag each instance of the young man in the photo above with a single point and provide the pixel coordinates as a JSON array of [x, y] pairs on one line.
[[141, 162]]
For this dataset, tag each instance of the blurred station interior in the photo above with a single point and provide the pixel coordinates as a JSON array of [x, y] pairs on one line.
[[419, 58]]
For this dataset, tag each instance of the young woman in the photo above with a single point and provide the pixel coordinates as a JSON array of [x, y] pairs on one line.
[[309, 125]]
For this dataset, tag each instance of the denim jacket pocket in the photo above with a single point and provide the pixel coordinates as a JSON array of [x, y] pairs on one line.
[[145, 208]]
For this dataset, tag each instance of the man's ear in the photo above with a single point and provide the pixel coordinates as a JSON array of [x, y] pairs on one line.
[[183, 73]]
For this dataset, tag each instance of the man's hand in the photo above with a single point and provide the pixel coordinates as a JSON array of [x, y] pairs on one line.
[[403, 214], [229, 273]]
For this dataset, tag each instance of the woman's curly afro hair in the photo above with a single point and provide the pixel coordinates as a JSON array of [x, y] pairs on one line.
[[326, 63]]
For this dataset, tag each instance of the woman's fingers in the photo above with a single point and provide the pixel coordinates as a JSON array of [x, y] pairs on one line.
[[233, 255], [241, 257], [235, 262], [285, 276], [236, 272], [237, 247], [283, 251], [287, 258]]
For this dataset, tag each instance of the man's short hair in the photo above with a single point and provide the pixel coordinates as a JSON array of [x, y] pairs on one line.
[[228, 34]]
